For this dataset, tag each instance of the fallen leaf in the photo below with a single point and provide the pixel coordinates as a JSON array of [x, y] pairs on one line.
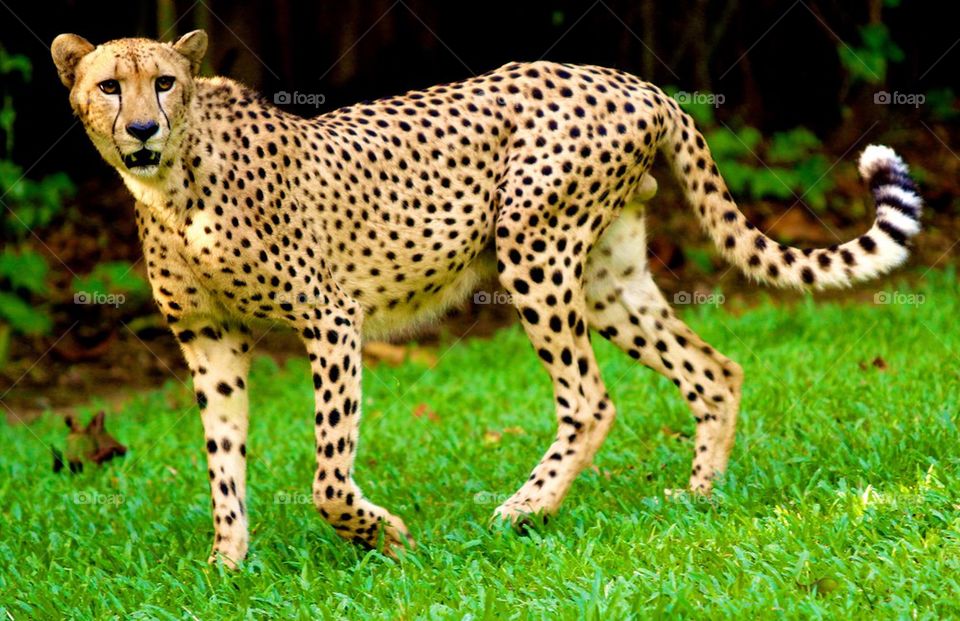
[[491, 437], [877, 363], [378, 351], [422, 410], [424, 356], [517, 431], [670, 433]]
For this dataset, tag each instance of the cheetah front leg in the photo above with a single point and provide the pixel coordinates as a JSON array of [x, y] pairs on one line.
[[333, 344], [219, 358]]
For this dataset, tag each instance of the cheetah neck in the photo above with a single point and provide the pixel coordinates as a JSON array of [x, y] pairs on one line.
[[148, 192]]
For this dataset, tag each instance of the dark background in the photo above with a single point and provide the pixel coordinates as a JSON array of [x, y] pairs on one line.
[[776, 62]]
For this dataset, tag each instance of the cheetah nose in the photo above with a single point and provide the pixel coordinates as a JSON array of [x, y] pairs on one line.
[[142, 130]]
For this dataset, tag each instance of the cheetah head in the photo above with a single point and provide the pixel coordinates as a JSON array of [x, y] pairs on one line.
[[132, 95]]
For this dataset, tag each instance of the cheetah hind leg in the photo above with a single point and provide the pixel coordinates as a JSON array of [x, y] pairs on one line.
[[625, 306]]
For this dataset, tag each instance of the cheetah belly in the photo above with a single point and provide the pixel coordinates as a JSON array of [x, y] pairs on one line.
[[617, 264], [401, 288], [427, 307]]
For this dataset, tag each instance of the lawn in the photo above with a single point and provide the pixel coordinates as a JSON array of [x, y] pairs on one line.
[[841, 498]]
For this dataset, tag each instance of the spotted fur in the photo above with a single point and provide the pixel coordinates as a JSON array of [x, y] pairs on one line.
[[375, 217]]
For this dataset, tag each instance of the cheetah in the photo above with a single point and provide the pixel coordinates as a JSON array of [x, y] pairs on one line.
[[377, 217]]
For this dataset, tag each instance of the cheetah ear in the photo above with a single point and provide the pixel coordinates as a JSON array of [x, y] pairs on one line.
[[67, 50], [193, 46]]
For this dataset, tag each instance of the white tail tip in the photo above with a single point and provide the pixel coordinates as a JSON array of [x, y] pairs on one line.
[[879, 157]]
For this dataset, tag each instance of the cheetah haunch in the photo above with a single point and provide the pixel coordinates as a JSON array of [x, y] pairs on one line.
[[375, 217]]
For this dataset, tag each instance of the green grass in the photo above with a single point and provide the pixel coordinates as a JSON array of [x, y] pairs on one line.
[[841, 498]]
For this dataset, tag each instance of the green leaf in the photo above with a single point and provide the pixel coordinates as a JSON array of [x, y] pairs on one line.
[[8, 115], [942, 103], [27, 270], [863, 65], [702, 258], [737, 176], [10, 174], [869, 61], [814, 181], [791, 146], [112, 277], [34, 204], [15, 63], [702, 113], [725, 144], [21, 316], [773, 183]]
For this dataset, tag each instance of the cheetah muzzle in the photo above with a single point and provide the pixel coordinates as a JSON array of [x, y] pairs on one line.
[[377, 217]]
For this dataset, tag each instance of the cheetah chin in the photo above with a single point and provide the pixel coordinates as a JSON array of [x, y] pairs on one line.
[[371, 218]]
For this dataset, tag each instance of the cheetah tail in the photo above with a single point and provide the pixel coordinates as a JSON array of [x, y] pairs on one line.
[[881, 249]]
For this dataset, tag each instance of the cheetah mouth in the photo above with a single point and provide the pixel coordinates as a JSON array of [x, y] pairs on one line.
[[141, 158]]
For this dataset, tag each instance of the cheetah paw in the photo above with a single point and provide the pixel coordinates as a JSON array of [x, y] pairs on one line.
[[397, 538], [230, 559], [521, 515]]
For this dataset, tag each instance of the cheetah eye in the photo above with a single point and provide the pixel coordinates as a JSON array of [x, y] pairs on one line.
[[165, 83], [110, 87]]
